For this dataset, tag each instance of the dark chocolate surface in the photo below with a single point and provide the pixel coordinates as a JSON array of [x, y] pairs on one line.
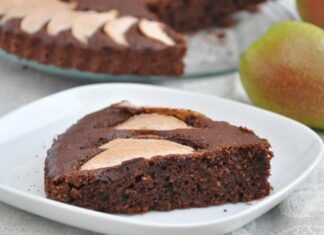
[[100, 40], [81, 141], [192, 15]]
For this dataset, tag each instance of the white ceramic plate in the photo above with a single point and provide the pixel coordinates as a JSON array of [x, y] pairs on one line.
[[27, 133]]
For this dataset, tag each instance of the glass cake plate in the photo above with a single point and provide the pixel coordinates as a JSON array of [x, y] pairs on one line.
[[211, 52]]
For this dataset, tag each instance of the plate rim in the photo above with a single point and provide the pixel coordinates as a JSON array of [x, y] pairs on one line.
[[116, 218]]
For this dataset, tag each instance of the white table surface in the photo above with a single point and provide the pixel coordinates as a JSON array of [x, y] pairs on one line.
[[301, 213]]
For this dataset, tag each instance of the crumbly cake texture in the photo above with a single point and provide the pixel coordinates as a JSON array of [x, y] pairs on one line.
[[198, 13], [108, 36], [195, 162]]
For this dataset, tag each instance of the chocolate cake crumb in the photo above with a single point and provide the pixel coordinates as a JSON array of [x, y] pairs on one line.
[[186, 15]]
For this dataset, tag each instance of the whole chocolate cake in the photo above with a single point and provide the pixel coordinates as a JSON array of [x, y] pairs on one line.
[[108, 36], [128, 159]]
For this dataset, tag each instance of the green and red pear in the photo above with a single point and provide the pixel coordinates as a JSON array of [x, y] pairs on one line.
[[284, 72]]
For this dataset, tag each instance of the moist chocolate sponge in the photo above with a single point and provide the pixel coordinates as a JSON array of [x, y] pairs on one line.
[[227, 164]]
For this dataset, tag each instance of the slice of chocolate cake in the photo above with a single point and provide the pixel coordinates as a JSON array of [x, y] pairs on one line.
[[128, 159]]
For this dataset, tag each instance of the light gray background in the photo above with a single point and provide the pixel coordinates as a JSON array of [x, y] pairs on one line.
[[301, 213]]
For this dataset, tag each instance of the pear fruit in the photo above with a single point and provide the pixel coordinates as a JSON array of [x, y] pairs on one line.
[[312, 11], [284, 72]]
